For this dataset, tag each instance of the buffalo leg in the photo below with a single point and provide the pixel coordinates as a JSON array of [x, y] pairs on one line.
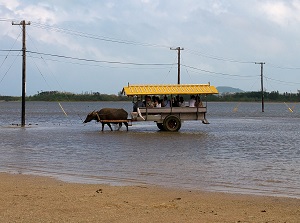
[[126, 124], [109, 126], [103, 126], [120, 125]]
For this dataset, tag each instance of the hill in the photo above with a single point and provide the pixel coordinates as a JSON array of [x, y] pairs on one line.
[[225, 89]]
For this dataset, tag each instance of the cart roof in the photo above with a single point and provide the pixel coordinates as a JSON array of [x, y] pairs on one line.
[[181, 89]]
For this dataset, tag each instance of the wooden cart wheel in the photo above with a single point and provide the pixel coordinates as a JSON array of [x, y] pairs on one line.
[[172, 123]]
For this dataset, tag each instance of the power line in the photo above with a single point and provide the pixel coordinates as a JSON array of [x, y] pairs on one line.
[[10, 67], [121, 41], [5, 20], [93, 36], [101, 61], [212, 72], [198, 53], [282, 67], [9, 51], [95, 65], [281, 81]]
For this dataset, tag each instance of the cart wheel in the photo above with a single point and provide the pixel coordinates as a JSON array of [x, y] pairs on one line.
[[160, 126], [172, 123]]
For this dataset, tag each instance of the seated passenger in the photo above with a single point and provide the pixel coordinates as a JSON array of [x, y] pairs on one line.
[[192, 101], [157, 103], [198, 102], [148, 102], [137, 104], [166, 102], [181, 102], [175, 101]]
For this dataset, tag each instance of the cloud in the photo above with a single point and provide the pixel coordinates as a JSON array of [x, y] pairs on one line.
[[251, 30], [283, 13], [10, 5]]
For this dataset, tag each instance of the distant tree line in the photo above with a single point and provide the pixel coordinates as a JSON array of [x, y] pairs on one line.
[[254, 96], [67, 96]]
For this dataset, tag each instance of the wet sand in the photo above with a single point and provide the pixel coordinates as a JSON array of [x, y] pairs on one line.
[[40, 199]]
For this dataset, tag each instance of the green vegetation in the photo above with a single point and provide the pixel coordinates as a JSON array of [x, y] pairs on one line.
[[254, 96], [66, 96], [10, 98]]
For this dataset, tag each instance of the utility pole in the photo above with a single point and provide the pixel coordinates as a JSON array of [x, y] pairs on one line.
[[23, 24], [178, 49], [262, 85]]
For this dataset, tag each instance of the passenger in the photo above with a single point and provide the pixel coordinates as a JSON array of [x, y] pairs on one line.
[[198, 102], [181, 102], [166, 102], [175, 102], [192, 101], [137, 104], [157, 103], [161, 101], [153, 98], [148, 102]]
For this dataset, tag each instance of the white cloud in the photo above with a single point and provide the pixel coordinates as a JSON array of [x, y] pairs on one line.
[[283, 13], [39, 13], [10, 5]]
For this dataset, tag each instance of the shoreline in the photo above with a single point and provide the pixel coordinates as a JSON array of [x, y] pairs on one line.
[[31, 198]]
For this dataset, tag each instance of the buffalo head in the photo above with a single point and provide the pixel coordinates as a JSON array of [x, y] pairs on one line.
[[91, 116]]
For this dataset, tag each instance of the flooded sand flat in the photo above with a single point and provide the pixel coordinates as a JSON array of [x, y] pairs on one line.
[[245, 151]]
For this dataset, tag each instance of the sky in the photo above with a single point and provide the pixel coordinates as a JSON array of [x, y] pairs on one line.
[[86, 46]]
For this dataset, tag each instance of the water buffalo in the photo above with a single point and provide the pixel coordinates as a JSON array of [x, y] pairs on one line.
[[108, 114]]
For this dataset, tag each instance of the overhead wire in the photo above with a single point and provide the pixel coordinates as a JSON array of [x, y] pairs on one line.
[[115, 40], [99, 61], [198, 53], [96, 65], [9, 67], [163, 81], [46, 80], [282, 67], [93, 36], [280, 81], [55, 80], [219, 73], [187, 70], [121, 41], [9, 51]]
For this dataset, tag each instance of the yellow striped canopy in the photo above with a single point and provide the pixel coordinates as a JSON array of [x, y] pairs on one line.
[[173, 89]]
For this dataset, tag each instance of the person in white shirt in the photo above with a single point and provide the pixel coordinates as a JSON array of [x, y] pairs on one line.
[[181, 102], [192, 101], [157, 103]]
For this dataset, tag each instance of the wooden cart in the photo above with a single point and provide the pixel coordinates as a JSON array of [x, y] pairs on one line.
[[169, 118]]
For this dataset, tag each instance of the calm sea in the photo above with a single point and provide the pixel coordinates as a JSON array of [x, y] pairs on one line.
[[242, 150]]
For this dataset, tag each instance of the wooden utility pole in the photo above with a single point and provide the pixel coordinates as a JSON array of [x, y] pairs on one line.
[[178, 49], [262, 85], [23, 24]]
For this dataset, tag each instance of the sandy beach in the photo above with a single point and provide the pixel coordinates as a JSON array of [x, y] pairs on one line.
[[27, 198]]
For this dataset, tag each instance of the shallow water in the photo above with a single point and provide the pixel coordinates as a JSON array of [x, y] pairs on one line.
[[242, 151]]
